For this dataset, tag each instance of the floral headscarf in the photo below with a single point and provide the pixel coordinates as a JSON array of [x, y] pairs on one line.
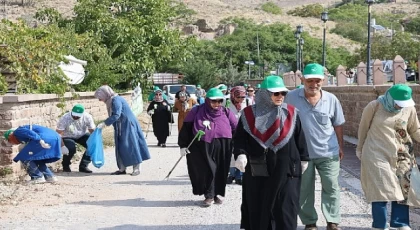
[[237, 91]]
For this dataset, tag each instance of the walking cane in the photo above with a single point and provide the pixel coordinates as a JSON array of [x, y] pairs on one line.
[[198, 135], [148, 125]]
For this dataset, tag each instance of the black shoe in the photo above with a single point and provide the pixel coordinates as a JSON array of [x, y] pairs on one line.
[[163, 145], [238, 181], [85, 170], [229, 180], [158, 144], [118, 173], [66, 169]]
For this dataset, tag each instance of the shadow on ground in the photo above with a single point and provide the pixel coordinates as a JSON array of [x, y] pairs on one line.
[[173, 227], [140, 202]]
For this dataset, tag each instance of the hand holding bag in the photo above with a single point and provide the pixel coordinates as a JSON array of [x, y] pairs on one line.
[[259, 165]]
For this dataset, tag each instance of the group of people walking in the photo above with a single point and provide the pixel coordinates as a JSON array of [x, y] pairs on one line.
[[281, 138], [271, 142]]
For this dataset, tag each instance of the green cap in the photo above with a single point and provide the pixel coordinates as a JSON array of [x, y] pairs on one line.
[[155, 87], [7, 133], [198, 86], [402, 95], [223, 87], [273, 84], [215, 93], [300, 86], [245, 85], [78, 110], [313, 70], [258, 86]]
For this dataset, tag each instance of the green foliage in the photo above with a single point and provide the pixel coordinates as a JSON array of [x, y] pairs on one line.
[[353, 31], [3, 85], [183, 15], [4, 171], [224, 59], [136, 33], [413, 25], [312, 10], [271, 8]]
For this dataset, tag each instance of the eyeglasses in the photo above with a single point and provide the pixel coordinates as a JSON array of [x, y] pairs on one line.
[[217, 101], [276, 94], [240, 97]]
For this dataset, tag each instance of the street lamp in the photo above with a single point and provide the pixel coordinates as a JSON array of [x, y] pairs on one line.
[[299, 40], [249, 63], [324, 18], [368, 71]]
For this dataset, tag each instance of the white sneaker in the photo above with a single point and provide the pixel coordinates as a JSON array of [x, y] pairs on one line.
[[404, 228], [39, 180], [52, 179], [387, 228]]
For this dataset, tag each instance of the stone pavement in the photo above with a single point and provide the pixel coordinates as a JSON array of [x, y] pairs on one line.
[[101, 201]]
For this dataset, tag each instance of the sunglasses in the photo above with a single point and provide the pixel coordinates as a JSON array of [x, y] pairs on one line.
[[75, 118], [240, 97], [280, 93], [250, 90], [216, 101]]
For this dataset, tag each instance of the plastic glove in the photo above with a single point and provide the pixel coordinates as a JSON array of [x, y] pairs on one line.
[[101, 125], [183, 151], [304, 165], [64, 150], [359, 155], [169, 107], [151, 112], [186, 106], [44, 145], [241, 162]]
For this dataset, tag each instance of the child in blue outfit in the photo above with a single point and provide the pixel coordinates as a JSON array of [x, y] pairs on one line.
[[41, 146]]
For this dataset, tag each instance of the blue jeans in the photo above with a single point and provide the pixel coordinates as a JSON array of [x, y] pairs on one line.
[[400, 216], [38, 169], [234, 172]]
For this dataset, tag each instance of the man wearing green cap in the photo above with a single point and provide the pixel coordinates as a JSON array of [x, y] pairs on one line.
[[76, 127], [322, 121]]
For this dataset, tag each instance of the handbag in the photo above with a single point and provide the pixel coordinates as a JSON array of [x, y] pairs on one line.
[[415, 181], [259, 165]]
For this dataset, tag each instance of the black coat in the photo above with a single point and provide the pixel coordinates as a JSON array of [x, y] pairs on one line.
[[271, 202]]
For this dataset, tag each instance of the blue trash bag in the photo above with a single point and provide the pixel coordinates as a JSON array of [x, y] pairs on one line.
[[95, 148]]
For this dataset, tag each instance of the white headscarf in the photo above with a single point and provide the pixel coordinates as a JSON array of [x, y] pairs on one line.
[[105, 93]]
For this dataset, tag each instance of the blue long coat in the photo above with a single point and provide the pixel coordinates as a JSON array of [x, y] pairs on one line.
[[130, 145], [33, 150]]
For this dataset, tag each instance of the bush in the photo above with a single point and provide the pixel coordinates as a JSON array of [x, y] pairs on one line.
[[355, 32], [271, 8], [312, 10]]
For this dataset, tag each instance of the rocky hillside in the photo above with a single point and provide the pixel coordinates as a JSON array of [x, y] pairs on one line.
[[215, 10]]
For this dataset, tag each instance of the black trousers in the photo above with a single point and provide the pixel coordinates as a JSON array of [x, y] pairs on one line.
[[70, 143]]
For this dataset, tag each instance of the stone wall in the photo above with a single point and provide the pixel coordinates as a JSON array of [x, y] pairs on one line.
[[41, 109]]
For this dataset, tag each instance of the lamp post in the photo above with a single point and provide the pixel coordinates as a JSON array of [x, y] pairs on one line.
[[297, 36], [324, 18], [249, 63], [299, 44], [368, 70]]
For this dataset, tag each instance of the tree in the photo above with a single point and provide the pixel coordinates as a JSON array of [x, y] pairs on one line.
[[136, 32], [231, 75]]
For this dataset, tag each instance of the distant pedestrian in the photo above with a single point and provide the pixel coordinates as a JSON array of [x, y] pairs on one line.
[[322, 121], [208, 162], [184, 106], [161, 113], [183, 89], [386, 151], [238, 103], [250, 95], [270, 146], [130, 145], [200, 93]]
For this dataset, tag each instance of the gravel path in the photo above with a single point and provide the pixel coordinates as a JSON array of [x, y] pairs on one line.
[[102, 201]]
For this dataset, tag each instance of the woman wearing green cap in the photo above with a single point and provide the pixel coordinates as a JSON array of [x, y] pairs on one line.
[[40, 145], [386, 132], [270, 147], [208, 162]]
